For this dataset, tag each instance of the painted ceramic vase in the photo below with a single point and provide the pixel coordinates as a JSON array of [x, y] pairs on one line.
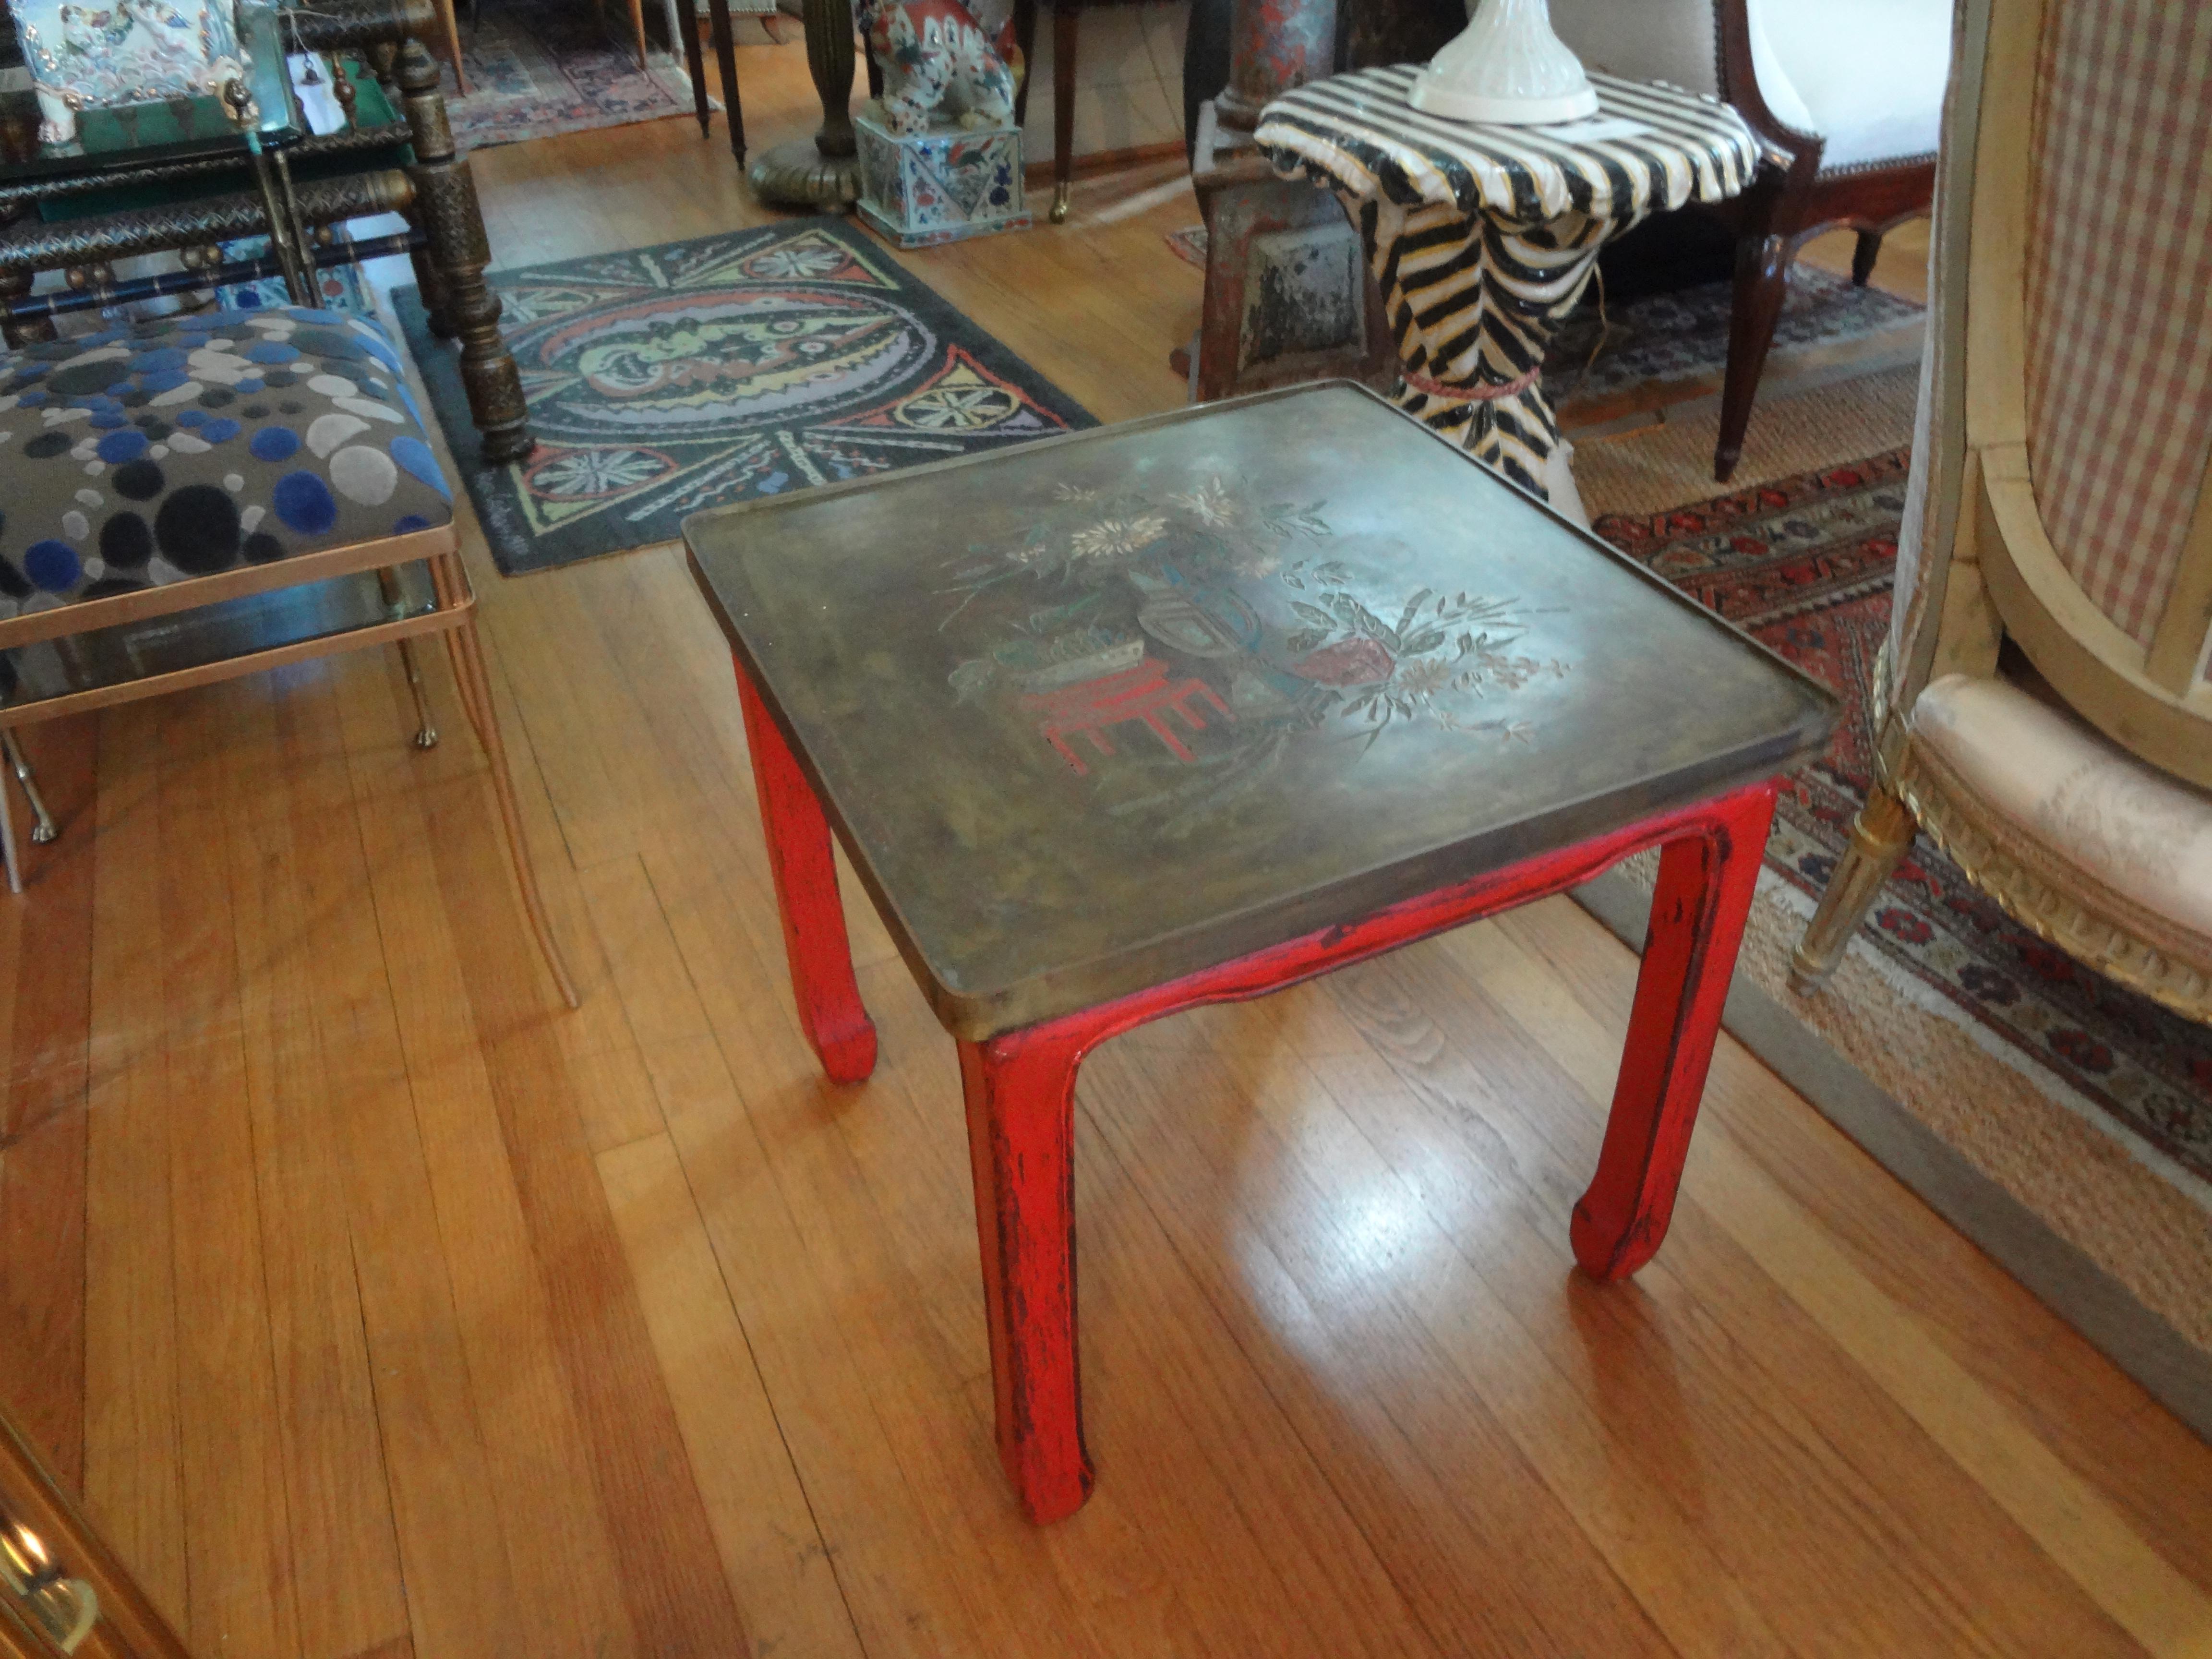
[[111, 52]]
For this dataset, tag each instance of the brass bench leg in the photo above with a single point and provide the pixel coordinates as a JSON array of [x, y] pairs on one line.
[[9, 855], [477, 702], [426, 730], [426, 725], [42, 829]]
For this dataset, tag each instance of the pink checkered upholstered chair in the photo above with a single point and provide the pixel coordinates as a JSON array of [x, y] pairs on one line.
[[2049, 719], [1846, 97]]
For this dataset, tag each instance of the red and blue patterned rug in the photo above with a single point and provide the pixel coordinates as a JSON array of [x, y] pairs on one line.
[[667, 380], [1806, 565]]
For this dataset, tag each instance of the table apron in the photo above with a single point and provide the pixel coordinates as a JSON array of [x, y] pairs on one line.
[[1720, 819]]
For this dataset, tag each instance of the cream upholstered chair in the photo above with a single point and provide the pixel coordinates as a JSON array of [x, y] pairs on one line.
[[1846, 97], [2061, 502]]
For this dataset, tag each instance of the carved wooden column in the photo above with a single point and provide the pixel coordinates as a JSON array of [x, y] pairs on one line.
[[1274, 45], [463, 303], [824, 171]]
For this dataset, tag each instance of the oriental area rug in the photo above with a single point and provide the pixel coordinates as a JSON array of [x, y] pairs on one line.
[[1603, 355], [2076, 1112], [667, 380], [536, 69], [1804, 564]]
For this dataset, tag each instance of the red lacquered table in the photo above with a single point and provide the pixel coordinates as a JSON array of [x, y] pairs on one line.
[[1189, 709]]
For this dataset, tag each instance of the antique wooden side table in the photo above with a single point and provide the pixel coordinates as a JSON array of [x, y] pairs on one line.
[[1189, 709], [1483, 238]]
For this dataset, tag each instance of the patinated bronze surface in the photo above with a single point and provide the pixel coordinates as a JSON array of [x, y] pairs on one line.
[[1109, 710]]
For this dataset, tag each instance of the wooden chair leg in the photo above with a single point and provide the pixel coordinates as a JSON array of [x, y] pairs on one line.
[[1066, 16], [1763, 258], [1864, 254], [1020, 1089], [726, 54], [1879, 835], [637, 31], [1697, 914], [452, 28], [687, 35], [1025, 13], [475, 685], [815, 942]]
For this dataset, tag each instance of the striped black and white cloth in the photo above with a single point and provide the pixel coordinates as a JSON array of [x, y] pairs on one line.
[[1483, 237]]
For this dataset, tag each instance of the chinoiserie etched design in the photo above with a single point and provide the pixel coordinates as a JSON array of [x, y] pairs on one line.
[[1200, 611]]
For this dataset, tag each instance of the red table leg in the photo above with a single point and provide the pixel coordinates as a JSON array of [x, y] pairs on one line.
[[1706, 884], [1020, 1088], [814, 937], [1020, 1085]]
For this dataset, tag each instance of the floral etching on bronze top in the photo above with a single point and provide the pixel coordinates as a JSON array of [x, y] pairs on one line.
[[1173, 647]]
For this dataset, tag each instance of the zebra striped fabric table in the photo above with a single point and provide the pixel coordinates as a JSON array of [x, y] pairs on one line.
[[1483, 237]]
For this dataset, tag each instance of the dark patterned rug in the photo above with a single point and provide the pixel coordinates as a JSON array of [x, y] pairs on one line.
[[536, 69], [1806, 565], [667, 379], [1682, 336]]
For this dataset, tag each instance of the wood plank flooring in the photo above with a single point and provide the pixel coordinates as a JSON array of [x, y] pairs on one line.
[[383, 1308]]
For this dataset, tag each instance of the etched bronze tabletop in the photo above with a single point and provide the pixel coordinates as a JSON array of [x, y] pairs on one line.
[[1111, 708]]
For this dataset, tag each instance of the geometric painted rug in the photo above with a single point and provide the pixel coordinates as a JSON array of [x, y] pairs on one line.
[[664, 380], [1805, 565]]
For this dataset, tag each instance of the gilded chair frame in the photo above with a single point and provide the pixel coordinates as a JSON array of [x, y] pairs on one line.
[[1980, 567]]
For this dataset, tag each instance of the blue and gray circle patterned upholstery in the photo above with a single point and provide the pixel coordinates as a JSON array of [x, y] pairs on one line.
[[156, 454]]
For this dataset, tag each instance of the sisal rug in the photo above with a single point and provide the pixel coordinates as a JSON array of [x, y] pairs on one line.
[[667, 380], [2085, 1105], [539, 67]]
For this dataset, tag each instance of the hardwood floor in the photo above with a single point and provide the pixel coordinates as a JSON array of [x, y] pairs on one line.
[[383, 1308]]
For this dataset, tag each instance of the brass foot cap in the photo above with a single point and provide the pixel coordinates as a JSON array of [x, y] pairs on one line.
[[1806, 984], [427, 738]]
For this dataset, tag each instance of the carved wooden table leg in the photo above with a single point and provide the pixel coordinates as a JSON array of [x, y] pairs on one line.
[[1706, 886], [814, 938], [428, 283], [824, 171], [1020, 1089], [446, 191], [725, 53], [1020, 1085], [695, 62]]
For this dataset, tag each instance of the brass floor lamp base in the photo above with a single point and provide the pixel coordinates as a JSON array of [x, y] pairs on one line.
[[798, 174]]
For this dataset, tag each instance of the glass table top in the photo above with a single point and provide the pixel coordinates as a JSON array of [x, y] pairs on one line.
[[172, 130]]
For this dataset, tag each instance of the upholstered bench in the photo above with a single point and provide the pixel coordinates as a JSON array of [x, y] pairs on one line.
[[200, 497]]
